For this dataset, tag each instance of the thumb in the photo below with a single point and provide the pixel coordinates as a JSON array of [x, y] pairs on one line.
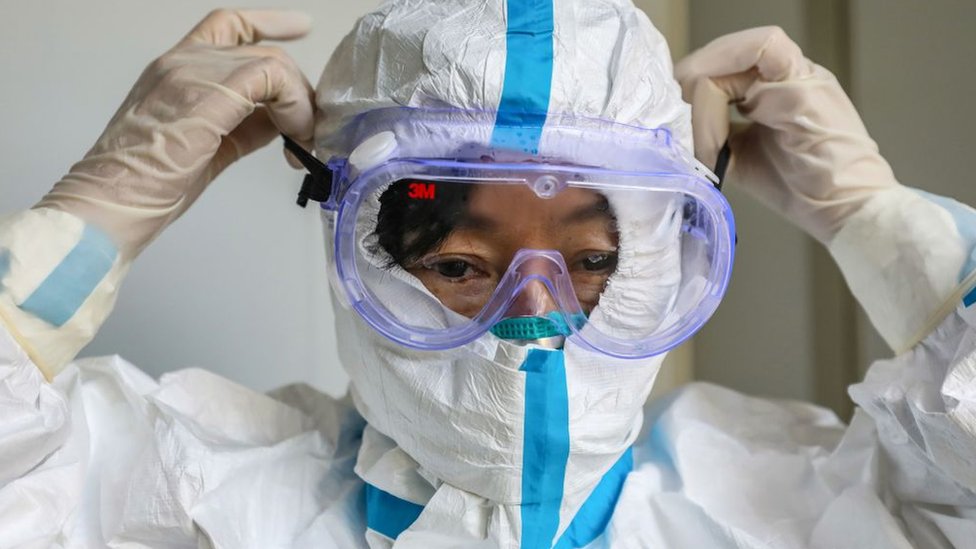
[[709, 118]]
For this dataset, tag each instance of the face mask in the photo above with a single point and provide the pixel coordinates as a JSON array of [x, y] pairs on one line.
[[493, 442]]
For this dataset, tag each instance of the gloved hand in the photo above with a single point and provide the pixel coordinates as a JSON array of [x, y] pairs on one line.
[[908, 257], [210, 100], [806, 155]]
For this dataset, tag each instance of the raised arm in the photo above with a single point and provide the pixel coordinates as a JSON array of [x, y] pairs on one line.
[[211, 99]]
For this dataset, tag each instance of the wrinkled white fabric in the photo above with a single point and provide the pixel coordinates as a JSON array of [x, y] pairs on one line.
[[718, 469], [610, 63], [106, 456]]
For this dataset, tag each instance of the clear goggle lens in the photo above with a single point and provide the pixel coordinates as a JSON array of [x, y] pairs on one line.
[[434, 256]]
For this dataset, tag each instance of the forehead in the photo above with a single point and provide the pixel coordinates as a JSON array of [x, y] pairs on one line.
[[518, 203]]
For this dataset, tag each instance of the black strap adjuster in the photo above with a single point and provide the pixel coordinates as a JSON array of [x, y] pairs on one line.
[[317, 184], [722, 164]]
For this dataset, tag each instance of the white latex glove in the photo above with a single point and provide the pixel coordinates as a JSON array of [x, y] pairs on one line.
[[208, 101], [906, 256], [806, 155]]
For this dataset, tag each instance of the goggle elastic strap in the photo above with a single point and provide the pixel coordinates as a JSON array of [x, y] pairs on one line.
[[317, 184]]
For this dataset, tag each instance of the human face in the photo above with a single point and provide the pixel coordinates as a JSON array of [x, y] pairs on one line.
[[499, 220]]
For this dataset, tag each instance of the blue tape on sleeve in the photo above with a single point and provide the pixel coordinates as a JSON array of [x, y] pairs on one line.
[[67, 287], [388, 514]]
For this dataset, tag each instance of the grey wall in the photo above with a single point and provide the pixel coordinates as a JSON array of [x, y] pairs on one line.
[[760, 339], [237, 285]]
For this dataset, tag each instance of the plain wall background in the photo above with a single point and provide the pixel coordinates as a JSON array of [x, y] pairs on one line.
[[237, 285]]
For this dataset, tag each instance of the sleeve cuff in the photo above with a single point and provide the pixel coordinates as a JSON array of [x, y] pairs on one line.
[[908, 257], [58, 281]]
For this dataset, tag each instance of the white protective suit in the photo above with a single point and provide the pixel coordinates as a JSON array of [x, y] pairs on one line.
[[105, 456]]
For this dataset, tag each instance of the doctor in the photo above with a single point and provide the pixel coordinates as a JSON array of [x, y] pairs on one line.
[[477, 420]]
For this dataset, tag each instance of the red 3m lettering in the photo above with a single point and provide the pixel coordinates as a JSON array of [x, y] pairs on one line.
[[421, 191]]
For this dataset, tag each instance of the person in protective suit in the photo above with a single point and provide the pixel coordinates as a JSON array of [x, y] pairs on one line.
[[518, 232]]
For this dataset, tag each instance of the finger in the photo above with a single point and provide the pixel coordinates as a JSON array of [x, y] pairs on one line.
[[276, 82], [767, 49], [224, 27], [709, 118], [755, 156]]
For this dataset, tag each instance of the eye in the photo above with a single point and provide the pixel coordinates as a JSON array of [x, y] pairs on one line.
[[603, 261], [453, 268]]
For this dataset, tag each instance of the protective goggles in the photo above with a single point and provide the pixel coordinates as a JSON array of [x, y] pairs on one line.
[[436, 243]]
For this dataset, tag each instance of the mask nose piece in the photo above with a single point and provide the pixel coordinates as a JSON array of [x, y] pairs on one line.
[[534, 315], [533, 318]]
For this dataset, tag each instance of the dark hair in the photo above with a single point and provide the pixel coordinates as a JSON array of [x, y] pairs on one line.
[[408, 227]]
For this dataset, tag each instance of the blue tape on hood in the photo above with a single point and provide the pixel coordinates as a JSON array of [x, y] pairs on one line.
[[528, 76]]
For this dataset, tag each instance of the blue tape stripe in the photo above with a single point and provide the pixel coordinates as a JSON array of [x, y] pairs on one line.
[[528, 76], [70, 283], [388, 514], [545, 446], [969, 298], [592, 518], [391, 516]]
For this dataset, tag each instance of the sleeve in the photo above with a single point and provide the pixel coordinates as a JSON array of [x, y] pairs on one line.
[[58, 281], [107, 456], [42, 451], [909, 259]]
